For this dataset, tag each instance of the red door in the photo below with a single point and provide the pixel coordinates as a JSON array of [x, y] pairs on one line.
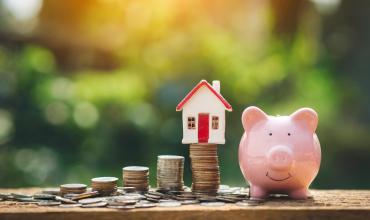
[[203, 127]]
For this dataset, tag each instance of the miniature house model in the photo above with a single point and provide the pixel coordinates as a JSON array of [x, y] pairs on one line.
[[203, 114]]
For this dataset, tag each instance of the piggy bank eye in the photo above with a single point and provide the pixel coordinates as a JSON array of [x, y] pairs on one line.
[[270, 134], [289, 134]]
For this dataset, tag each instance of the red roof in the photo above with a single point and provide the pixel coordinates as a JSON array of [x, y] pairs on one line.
[[196, 88]]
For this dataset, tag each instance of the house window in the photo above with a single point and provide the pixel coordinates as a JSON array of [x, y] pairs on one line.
[[214, 122], [191, 122]]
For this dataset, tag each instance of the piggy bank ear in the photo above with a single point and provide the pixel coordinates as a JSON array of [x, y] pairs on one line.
[[307, 116], [251, 116]]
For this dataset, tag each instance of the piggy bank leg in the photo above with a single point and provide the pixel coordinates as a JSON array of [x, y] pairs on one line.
[[258, 192], [299, 194]]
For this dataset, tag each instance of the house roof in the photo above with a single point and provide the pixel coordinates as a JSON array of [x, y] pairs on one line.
[[196, 88]]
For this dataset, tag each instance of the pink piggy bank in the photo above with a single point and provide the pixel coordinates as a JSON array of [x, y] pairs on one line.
[[279, 154]]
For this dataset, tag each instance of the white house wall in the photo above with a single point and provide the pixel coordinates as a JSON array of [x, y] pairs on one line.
[[203, 101]]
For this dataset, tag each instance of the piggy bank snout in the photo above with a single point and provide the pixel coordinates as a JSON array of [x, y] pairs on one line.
[[280, 158]]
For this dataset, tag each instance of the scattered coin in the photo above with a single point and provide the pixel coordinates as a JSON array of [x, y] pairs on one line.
[[125, 207], [65, 200], [43, 196], [189, 202], [70, 205], [5, 196], [20, 195], [85, 195], [48, 203], [95, 205], [90, 200], [169, 204], [27, 200], [145, 205], [212, 204]]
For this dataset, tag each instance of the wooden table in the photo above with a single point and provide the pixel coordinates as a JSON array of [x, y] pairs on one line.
[[325, 204]]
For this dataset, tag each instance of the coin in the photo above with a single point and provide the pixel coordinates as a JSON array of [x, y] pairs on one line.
[[20, 195], [94, 205], [189, 202], [169, 204], [48, 203], [212, 204], [90, 200], [125, 207], [145, 205], [84, 195], [43, 196], [70, 205], [64, 200]]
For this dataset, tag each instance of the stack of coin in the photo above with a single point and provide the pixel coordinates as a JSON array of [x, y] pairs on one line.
[[136, 176], [170, 170], [72, 188], [104, 185], [205, 168]]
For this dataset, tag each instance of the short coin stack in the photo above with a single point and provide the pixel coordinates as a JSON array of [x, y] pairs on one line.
[[205, 168], [136, 176], [170, 170], [104, 185], [72, 188]]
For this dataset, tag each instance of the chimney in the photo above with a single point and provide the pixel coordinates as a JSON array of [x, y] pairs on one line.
[[216, 85]]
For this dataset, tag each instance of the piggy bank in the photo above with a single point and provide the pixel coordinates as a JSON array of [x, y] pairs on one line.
[[279, 154]]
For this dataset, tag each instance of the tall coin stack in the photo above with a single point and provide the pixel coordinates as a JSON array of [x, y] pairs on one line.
[[205, 168], [136, 176], [104, 185], [170, 171]]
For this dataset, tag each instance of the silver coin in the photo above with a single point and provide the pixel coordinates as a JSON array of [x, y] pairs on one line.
[[145, 205], [95, 205], [27, 200], [90, 200], [49, 203], [20, 195], [73, 186], [125, 207], [65, 200], [169, 204], [135, 168], [170, 157], [44, 196], [212, 204], [5, 196], [247, 203], [70, 205], [189, 202], [104, 179]]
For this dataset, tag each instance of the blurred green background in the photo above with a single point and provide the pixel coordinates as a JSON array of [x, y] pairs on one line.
[[90, 86]]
